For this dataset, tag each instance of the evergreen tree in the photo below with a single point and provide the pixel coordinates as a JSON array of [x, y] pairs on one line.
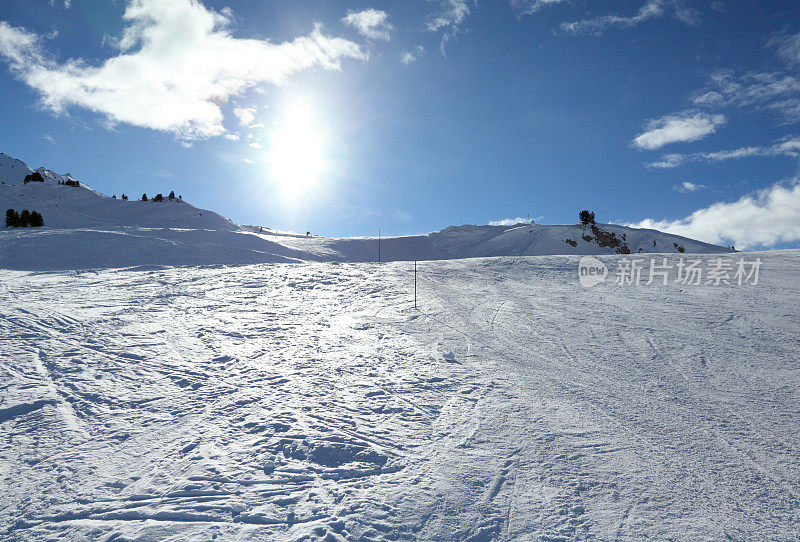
[[586, 217], [172, 195], [12, 218], [124, 197], [25, 218], [34, 177], [36, 220], [159, 197], [144, 196]]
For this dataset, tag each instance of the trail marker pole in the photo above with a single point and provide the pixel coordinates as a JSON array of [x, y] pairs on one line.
[[415, 285]]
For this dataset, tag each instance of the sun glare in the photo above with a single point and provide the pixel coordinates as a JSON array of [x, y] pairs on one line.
[[296, 153]]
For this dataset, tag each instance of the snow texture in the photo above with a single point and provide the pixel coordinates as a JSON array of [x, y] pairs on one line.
[[283, 401]]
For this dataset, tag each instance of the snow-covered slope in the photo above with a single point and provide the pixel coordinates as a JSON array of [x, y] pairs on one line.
[[86, 229], [312, 402], [472, 241], [12, 170], [81, 207]]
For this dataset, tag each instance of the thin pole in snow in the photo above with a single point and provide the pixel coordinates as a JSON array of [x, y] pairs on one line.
[[415, 285]]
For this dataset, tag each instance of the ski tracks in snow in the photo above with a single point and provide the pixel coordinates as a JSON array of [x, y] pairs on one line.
[[313, 402]]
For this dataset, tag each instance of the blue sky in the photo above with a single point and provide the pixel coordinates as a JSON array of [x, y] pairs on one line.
[[342, 117]]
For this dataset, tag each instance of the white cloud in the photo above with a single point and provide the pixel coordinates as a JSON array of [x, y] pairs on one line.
[[255, 145], [232, 137], [763, 220], [510, 221], [529, 7], [451, 14], [719, 7], [247, 161], [370, 23], [178, 63], [689, 187], [771, 90], [448, 18], [650, 10], [17, 44], [409, 57], [246, 115], [653, 8], [788, 146], [788, 48], [681, 127]]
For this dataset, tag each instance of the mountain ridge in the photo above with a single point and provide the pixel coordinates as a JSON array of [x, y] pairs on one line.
[[84, 228]]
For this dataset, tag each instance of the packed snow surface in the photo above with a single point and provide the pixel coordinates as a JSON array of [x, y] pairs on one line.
[[292, 401]]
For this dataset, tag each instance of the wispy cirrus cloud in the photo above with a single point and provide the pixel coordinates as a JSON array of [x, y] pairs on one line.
[[370, 23], [529, 7], [788, 47], [652, 9], [448, 18], [680, 127], [688, 187], [409, 57], [451, 14], [777, 91], [788, 146], [761, 220], [178, 62]]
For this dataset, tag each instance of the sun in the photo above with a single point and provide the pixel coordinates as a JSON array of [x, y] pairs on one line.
[[297, 152]]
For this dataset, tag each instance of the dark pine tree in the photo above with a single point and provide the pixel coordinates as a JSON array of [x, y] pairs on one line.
[[586, 217], [36, 220], [172, 195], [144, 196], [34, 177], [159, 197], [12, 218], [25, 218]]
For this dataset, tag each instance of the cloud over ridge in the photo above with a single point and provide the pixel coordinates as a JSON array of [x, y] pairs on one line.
[[765, 219]]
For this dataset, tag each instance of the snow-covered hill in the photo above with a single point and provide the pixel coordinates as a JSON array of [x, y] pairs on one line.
[[312, 402], [81, 207], [86, 229], [470, 241]]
